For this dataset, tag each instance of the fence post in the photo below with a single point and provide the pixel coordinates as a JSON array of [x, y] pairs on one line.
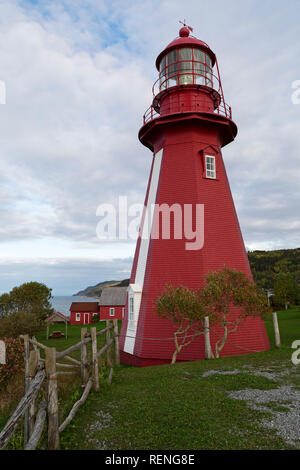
[[108, 358], [208, 351], [94, 358], [52, 399], [276, 329], [26, 366], [83, 357], [36, 348], [116, 337], [32, 368]]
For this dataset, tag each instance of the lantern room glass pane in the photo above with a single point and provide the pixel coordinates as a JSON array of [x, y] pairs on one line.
[[162, 73], [199, 66], [208, 60], [209, 74], [172, 68], [185, 66]]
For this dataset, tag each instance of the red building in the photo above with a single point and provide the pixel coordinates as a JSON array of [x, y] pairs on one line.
[[82, 313], [185, 128], [112, 303]]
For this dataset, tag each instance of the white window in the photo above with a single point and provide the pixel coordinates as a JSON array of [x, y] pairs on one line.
[[210, 166], [131, 308], [78, 316], [111, 312]]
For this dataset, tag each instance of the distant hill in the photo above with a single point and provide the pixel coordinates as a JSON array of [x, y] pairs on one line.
[[95, 291], [264, 266]]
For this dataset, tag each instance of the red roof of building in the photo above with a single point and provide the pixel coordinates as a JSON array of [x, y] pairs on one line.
[[84, 307]]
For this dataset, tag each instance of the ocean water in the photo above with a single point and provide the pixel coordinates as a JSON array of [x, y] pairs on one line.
[[62, 304]]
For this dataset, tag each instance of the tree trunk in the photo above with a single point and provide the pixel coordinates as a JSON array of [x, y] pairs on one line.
[[174, 357], [222, 342]]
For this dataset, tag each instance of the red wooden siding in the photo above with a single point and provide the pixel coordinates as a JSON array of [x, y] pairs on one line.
[[105, 312]]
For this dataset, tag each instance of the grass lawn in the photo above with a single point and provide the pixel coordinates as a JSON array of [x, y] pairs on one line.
[[175, 407], [68, 386]]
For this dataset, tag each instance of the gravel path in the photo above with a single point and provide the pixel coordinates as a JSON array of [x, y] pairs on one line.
[[102, 421], [285, 423]]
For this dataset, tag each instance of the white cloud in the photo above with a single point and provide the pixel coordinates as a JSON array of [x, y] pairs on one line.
[[78, 77]]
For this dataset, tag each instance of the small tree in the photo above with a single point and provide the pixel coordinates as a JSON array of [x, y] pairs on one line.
[[230, 296], [286, 289], [29, 297], [185, 309], [24, 309]]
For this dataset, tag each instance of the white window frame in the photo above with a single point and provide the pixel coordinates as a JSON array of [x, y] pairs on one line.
[[111, 311], [78, 317], [210, 167]]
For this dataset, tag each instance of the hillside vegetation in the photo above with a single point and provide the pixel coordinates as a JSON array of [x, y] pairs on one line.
[[265, 265]]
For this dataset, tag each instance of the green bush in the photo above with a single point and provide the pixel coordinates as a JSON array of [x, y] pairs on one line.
[[14, 360], [21, 323]]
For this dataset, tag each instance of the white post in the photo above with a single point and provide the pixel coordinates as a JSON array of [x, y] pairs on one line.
[[2, 353], [208, 351], [276, 329]]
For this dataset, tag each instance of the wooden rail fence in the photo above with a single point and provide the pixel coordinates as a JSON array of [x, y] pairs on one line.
[[38, 371]]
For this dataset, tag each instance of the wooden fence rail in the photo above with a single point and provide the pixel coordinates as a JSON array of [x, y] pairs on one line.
[[38, 369], [76, 406], [38, 427], [30, 395]]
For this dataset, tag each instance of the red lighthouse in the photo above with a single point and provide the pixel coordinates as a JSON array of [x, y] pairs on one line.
[[186, 127]]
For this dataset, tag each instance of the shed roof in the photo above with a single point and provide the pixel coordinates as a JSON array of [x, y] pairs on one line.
[[57, 317], [84, 307], [113, 296]]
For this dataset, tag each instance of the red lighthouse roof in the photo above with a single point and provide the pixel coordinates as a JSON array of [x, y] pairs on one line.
[[183, 40]]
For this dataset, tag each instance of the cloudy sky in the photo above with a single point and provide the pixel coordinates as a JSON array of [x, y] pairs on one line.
[[78, 77]]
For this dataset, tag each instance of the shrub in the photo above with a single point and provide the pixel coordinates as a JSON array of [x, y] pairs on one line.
[[96, 318], [14, 360], [21, 323]]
